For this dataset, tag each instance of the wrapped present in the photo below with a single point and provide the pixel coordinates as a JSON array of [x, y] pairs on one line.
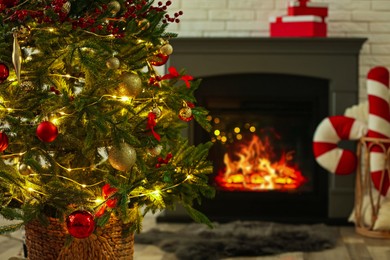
[[304, 7], [298, 26]]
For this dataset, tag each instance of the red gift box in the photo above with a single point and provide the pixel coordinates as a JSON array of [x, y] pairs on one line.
[[307, 8], [298, 26]]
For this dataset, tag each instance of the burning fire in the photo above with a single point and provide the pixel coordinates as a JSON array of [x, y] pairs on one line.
[[254, 169]]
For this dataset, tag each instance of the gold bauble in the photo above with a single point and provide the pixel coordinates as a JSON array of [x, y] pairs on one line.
[[166, 49], [114, 7], [143, 24], [25, 169], [185, 112], [155, 151], [122, 157], [113, 63], [157, 111], [131, 85]]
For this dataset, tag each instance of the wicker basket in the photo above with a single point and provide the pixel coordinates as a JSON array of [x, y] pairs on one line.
[[364, 190], [47, 242]]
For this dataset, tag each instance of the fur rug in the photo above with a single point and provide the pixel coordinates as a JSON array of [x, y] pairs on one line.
[[249, 238]]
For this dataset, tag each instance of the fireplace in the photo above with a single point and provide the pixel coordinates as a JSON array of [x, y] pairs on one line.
[[262, 129], [266, 96]]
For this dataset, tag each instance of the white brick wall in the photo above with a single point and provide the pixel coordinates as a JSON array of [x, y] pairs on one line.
[[249, 18]]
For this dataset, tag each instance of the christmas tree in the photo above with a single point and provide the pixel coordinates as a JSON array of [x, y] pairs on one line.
[[88, 126]]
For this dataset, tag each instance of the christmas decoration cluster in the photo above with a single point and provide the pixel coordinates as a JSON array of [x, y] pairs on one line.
[[89, 128]]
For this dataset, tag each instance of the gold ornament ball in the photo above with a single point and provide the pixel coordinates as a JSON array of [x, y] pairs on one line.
[[185, 112], [122, 157], [155, 151], [114, 7], [24, 169], [131, 85], [166, 49], [157, 111], [143, 24], [113, 63]]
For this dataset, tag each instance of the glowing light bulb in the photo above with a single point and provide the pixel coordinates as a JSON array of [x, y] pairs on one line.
[[83, 185], [252, 129], [217, 132], [239, 137], [237, 130], [125, 99], [99, 201]]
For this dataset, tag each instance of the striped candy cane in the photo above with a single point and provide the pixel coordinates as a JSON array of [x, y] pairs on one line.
[[325, 143], [378, 124]]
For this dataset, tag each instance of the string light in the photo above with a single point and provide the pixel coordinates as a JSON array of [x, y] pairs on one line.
[[83, 185], [99, 200]]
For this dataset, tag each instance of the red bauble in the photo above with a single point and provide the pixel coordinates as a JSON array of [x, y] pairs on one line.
[[159, 60], [3, 141], [80, 224], [47, 131], [4, 72]]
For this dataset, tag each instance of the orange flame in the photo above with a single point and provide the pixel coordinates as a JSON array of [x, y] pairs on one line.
[[253, 169]]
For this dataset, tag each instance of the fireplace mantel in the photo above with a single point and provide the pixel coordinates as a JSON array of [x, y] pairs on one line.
[[333, 59]]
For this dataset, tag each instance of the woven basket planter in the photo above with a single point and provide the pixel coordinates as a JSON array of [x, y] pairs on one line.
[[47, 242], [364, 190]]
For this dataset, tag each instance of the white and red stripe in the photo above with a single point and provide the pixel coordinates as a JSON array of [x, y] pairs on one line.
[[378, 124], [325, 143]]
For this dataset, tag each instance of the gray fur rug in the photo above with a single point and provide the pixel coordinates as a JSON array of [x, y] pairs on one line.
[[240, 238]]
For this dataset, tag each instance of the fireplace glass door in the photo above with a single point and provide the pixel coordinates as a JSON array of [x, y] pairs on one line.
[[262, 129]]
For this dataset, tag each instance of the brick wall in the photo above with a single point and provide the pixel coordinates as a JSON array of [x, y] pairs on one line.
[[249, 18]]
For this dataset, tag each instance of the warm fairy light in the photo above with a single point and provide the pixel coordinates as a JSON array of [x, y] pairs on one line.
[[217, 132], [83, 185], [156, 192], [99, 200], [237, 130], [252, 129], [239, 137], [189, 177], [125, 99], [30, 189], [209, 118], [69, 169], [217, 120], [224, 139], [51, 29]]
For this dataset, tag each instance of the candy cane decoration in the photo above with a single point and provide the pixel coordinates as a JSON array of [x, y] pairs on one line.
[[325, 143], [378, 124]]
